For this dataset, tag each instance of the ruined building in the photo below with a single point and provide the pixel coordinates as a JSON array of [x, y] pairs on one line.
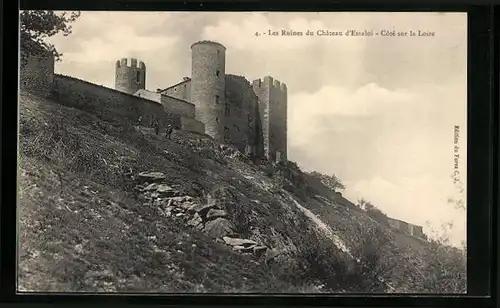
[[250, 116], [230, 109]]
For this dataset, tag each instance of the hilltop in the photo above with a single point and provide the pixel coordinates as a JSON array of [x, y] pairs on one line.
[[109, 207]]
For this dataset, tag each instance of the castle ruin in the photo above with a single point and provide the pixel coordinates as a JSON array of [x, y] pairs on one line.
[[228, 108], [250, 116]]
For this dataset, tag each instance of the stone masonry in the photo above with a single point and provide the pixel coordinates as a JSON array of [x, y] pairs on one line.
[[250, 116]]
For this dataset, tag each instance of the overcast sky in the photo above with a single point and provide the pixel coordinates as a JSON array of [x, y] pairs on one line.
[[379, 112]]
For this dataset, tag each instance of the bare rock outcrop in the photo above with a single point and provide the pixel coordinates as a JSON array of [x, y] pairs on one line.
[[210, 217]]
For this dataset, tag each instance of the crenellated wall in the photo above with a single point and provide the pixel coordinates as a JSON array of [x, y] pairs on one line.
[[37, 74], [109, 104], [272, 96]]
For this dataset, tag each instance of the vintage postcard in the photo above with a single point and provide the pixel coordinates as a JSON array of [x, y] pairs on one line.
[[242, 152]]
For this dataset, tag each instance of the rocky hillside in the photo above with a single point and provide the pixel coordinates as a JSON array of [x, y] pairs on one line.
[[107, 207]]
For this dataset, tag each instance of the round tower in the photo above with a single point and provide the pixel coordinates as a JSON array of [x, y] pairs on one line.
[[130, 78], [208, 84]]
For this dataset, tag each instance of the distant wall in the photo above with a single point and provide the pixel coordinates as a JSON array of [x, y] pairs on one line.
[[181, 90], [109, 104], [177, 106], [192, 125], [37, 74], [394, 223], [417, 231], [406, 228]]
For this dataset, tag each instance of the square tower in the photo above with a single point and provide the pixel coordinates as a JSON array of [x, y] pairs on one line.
[[272, 96]]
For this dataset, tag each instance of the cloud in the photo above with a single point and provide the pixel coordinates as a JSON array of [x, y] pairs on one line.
[[394, 148], [312, 113], [116, 39]]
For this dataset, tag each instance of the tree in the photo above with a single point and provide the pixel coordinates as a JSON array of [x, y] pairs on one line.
[[373, 211], [36, 26], [330, 181], [365, 205]]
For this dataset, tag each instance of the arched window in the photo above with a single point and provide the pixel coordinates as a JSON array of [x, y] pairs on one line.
[[138, 77]]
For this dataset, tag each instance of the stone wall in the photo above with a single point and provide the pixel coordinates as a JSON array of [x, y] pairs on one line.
[[262, 92], [272, 96], [417, 231], [406, 228], [393, 223], [130, 78], [192, 125], [177, 106], [243, 121], [37, 74], [153, 96], [181, 90], [208, 86], [170, 104], [278, 120], [109, 104]]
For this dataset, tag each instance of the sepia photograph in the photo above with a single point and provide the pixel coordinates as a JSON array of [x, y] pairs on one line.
[[242, 152]]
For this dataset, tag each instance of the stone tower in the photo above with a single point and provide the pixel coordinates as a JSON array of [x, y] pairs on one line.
[[131, 78], [272, 96], [208, 84]]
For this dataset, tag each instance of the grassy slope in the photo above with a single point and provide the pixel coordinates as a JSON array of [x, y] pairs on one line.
[[84, 228]]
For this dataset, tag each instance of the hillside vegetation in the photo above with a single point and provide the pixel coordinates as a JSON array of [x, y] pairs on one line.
[[108, 207]]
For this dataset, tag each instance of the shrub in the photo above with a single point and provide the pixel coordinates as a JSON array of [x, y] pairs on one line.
[[318, 261], [373, 267], [374, 212], [445, 267], [269, 170]]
